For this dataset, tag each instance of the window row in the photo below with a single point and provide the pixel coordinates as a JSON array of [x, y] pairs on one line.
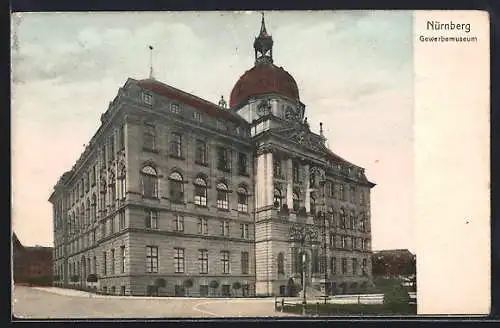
[[107, 152], [150, 181], [83, 216], [317, 264], [348, 242], [331, 189], [152, 218], [204, 259], [177, 108]]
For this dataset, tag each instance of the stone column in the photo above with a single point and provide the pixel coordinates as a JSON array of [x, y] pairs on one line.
[[307, 198], [269, 180], [289, 183]]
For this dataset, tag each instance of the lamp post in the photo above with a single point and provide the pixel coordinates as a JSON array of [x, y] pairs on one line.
[[303, 234]]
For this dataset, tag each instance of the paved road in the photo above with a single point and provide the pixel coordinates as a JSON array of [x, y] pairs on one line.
[[57, 303]]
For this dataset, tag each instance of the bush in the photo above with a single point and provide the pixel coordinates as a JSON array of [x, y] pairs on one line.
[[188, 283], [214, 284], [396, 294], [161, 283], [92, 278], [75, 278]]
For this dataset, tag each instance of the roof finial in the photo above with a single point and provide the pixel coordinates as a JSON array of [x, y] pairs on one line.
[[151, 62], [263, 31]]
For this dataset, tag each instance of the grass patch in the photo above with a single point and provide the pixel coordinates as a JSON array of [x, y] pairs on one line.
[[353, 309]]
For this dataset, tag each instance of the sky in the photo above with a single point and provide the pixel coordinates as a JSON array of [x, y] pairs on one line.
[[354, 70]]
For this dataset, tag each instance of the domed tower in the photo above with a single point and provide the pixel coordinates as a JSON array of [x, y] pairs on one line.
[[266, 90]]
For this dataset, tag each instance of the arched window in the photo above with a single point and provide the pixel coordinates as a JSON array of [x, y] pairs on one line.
[[94, 207], [200, 192], [222, 196], [328, 189], [87, 212], [82, 216], [77, 219], [122, 182], [242, 200], [352, 194], [353, 220], [277, 198], [176, 187], [296, 203], [149, 182], [343, 218], [312, 179], [281, 263]]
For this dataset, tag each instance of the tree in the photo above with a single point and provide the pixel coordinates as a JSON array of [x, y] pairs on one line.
[[236, 285], [188, 283], [214, 284]]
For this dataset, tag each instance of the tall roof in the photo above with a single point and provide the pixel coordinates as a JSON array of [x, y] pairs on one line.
[[206, 106]]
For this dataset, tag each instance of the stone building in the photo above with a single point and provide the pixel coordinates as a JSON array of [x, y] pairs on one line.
[[204, 196]]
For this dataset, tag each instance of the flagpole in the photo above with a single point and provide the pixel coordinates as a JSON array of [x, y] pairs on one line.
[[150, 62]]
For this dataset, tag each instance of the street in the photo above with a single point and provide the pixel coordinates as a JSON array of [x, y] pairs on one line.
[[57, 303]]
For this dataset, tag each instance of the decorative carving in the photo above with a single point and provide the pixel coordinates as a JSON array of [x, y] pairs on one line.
[[264, 107]]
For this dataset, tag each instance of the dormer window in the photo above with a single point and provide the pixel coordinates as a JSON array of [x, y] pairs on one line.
[[197, 116], [175, 108], [147, 98], [221, 125]]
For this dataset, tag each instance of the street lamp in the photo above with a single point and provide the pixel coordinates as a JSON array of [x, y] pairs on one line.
[[303, 234]]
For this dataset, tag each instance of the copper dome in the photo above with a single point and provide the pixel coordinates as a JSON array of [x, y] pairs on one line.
[[264, 79]]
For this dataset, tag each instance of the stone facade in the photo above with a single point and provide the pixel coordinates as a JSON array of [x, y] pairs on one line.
[[174, 188]]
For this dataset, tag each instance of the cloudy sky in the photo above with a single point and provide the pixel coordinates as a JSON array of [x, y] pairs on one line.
[[354, 71]]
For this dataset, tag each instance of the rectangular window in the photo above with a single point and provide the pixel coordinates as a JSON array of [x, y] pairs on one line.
[[225, 261], [121, 137], [352, 195], [202, 226], [122, 259], [354, 266], [197, 116], [223, 159], [201, 152], [176, 145], [147, 98], [361, 197], [112, 147], [332, 240], [112, 261], [224, 225], [364, 264], [242, 164], [276, 168], [104, 264], [151, 259], [175, 108], [151, 219], [178, 223], [344, 242], [244, 230], [221, 125], [333, 265], [179, 260], [244, 262], [112, 224], [363, 244], [93, 175], [344, 266], [149, 135], [121, 219], [203, 258]]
